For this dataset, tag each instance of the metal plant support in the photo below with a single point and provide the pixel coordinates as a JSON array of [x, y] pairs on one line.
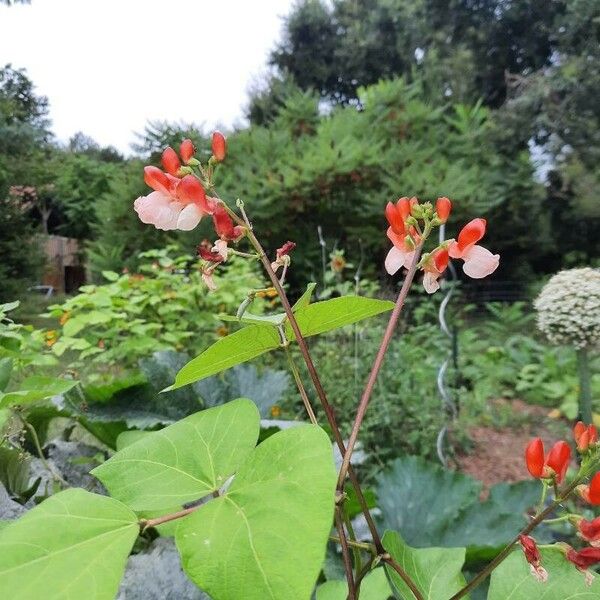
[[448, 404]]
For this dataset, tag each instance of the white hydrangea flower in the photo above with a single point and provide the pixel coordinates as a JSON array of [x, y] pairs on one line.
[[568, 308]]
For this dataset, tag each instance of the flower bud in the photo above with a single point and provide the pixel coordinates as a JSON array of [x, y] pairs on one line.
[[443, 206], [187, 150], [170, 161], [219, 146]]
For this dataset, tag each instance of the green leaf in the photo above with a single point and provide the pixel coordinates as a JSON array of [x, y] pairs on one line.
[[130, 437], [73, 545], [411, 483], [14, 471], [306, 297], [374, 586], [8, 306], [6, 365], [184, 461], [110, 275], [236, 348], [266, 536], [437, 572], [513, 579], [249, 319], [36, 388], [332, 314]]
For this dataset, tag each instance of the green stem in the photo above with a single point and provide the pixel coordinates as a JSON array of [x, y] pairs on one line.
[[352, 535], [585, 390], [300, 386], [542, 501]]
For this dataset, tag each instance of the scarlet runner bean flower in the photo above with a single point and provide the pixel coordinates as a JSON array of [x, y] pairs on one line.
[[583, 559], [585, 436], [589, 531], [434, 267], [282, 258], [553, 466], [591, 493], [479, 261], [402, 236], [533, 557], [170, 161], [174, 203]]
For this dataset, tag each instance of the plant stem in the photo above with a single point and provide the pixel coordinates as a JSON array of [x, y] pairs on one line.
[[352, 535], [38, 448], [345, 554], [361, 545], [329, 412], [585, 391], [385, 342], [482, 575], [300, 386], [146, 523]]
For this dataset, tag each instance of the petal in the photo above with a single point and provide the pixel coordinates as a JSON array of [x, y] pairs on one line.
[[148, 207], [394, 260], [394, 218], [431, 283], [219, 145], [471, 233], [454, 251], [156, 179], [190, 190], [479, 262], [189, 217]]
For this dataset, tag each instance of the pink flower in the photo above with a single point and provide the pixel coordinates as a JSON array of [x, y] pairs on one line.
[[402, 253], [479, 261], [434, 267], [174, 203]]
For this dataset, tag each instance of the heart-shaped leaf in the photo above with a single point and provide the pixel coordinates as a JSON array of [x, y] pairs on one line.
[[73, 545], [266, 536], [184, 461], [437, 572]]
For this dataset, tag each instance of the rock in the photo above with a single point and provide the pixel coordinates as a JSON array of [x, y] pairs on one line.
[[70, 460], [9, 509], [156, 574]]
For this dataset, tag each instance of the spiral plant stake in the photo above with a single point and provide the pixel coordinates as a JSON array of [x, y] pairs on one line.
[[252, 522]]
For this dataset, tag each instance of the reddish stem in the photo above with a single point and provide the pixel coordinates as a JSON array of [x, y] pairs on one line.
[[385, 342]]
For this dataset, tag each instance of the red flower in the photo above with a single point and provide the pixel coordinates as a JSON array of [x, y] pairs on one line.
[[170, 161], [533, 557], [584, 558], [205, 252], [590, 531], [443, 206], [187, 150], [190, 190], [555, 464], [585, 435], [285, 249], [591, 493], [434, 267], [479, 261], [402, 253], [224, 225], [219, 146]]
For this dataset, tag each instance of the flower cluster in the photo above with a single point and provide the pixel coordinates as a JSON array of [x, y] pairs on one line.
[[568, 308], [179, 201], [409, 225], [551, 468]]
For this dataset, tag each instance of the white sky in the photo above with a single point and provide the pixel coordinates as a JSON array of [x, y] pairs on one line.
[[109, 66]]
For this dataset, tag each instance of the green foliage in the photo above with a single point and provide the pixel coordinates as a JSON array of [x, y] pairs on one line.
[[81, 539], [256, 339], [35, 388], [344, 166], [435, 571], [165, 306], [181, 463], [272, 522], [373, 587], [513, 579], [454, 515]]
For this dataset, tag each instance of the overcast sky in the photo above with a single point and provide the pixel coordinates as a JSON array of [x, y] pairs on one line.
[[108, 66]]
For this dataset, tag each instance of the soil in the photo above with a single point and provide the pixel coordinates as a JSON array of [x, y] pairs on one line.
[[497, 452]]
